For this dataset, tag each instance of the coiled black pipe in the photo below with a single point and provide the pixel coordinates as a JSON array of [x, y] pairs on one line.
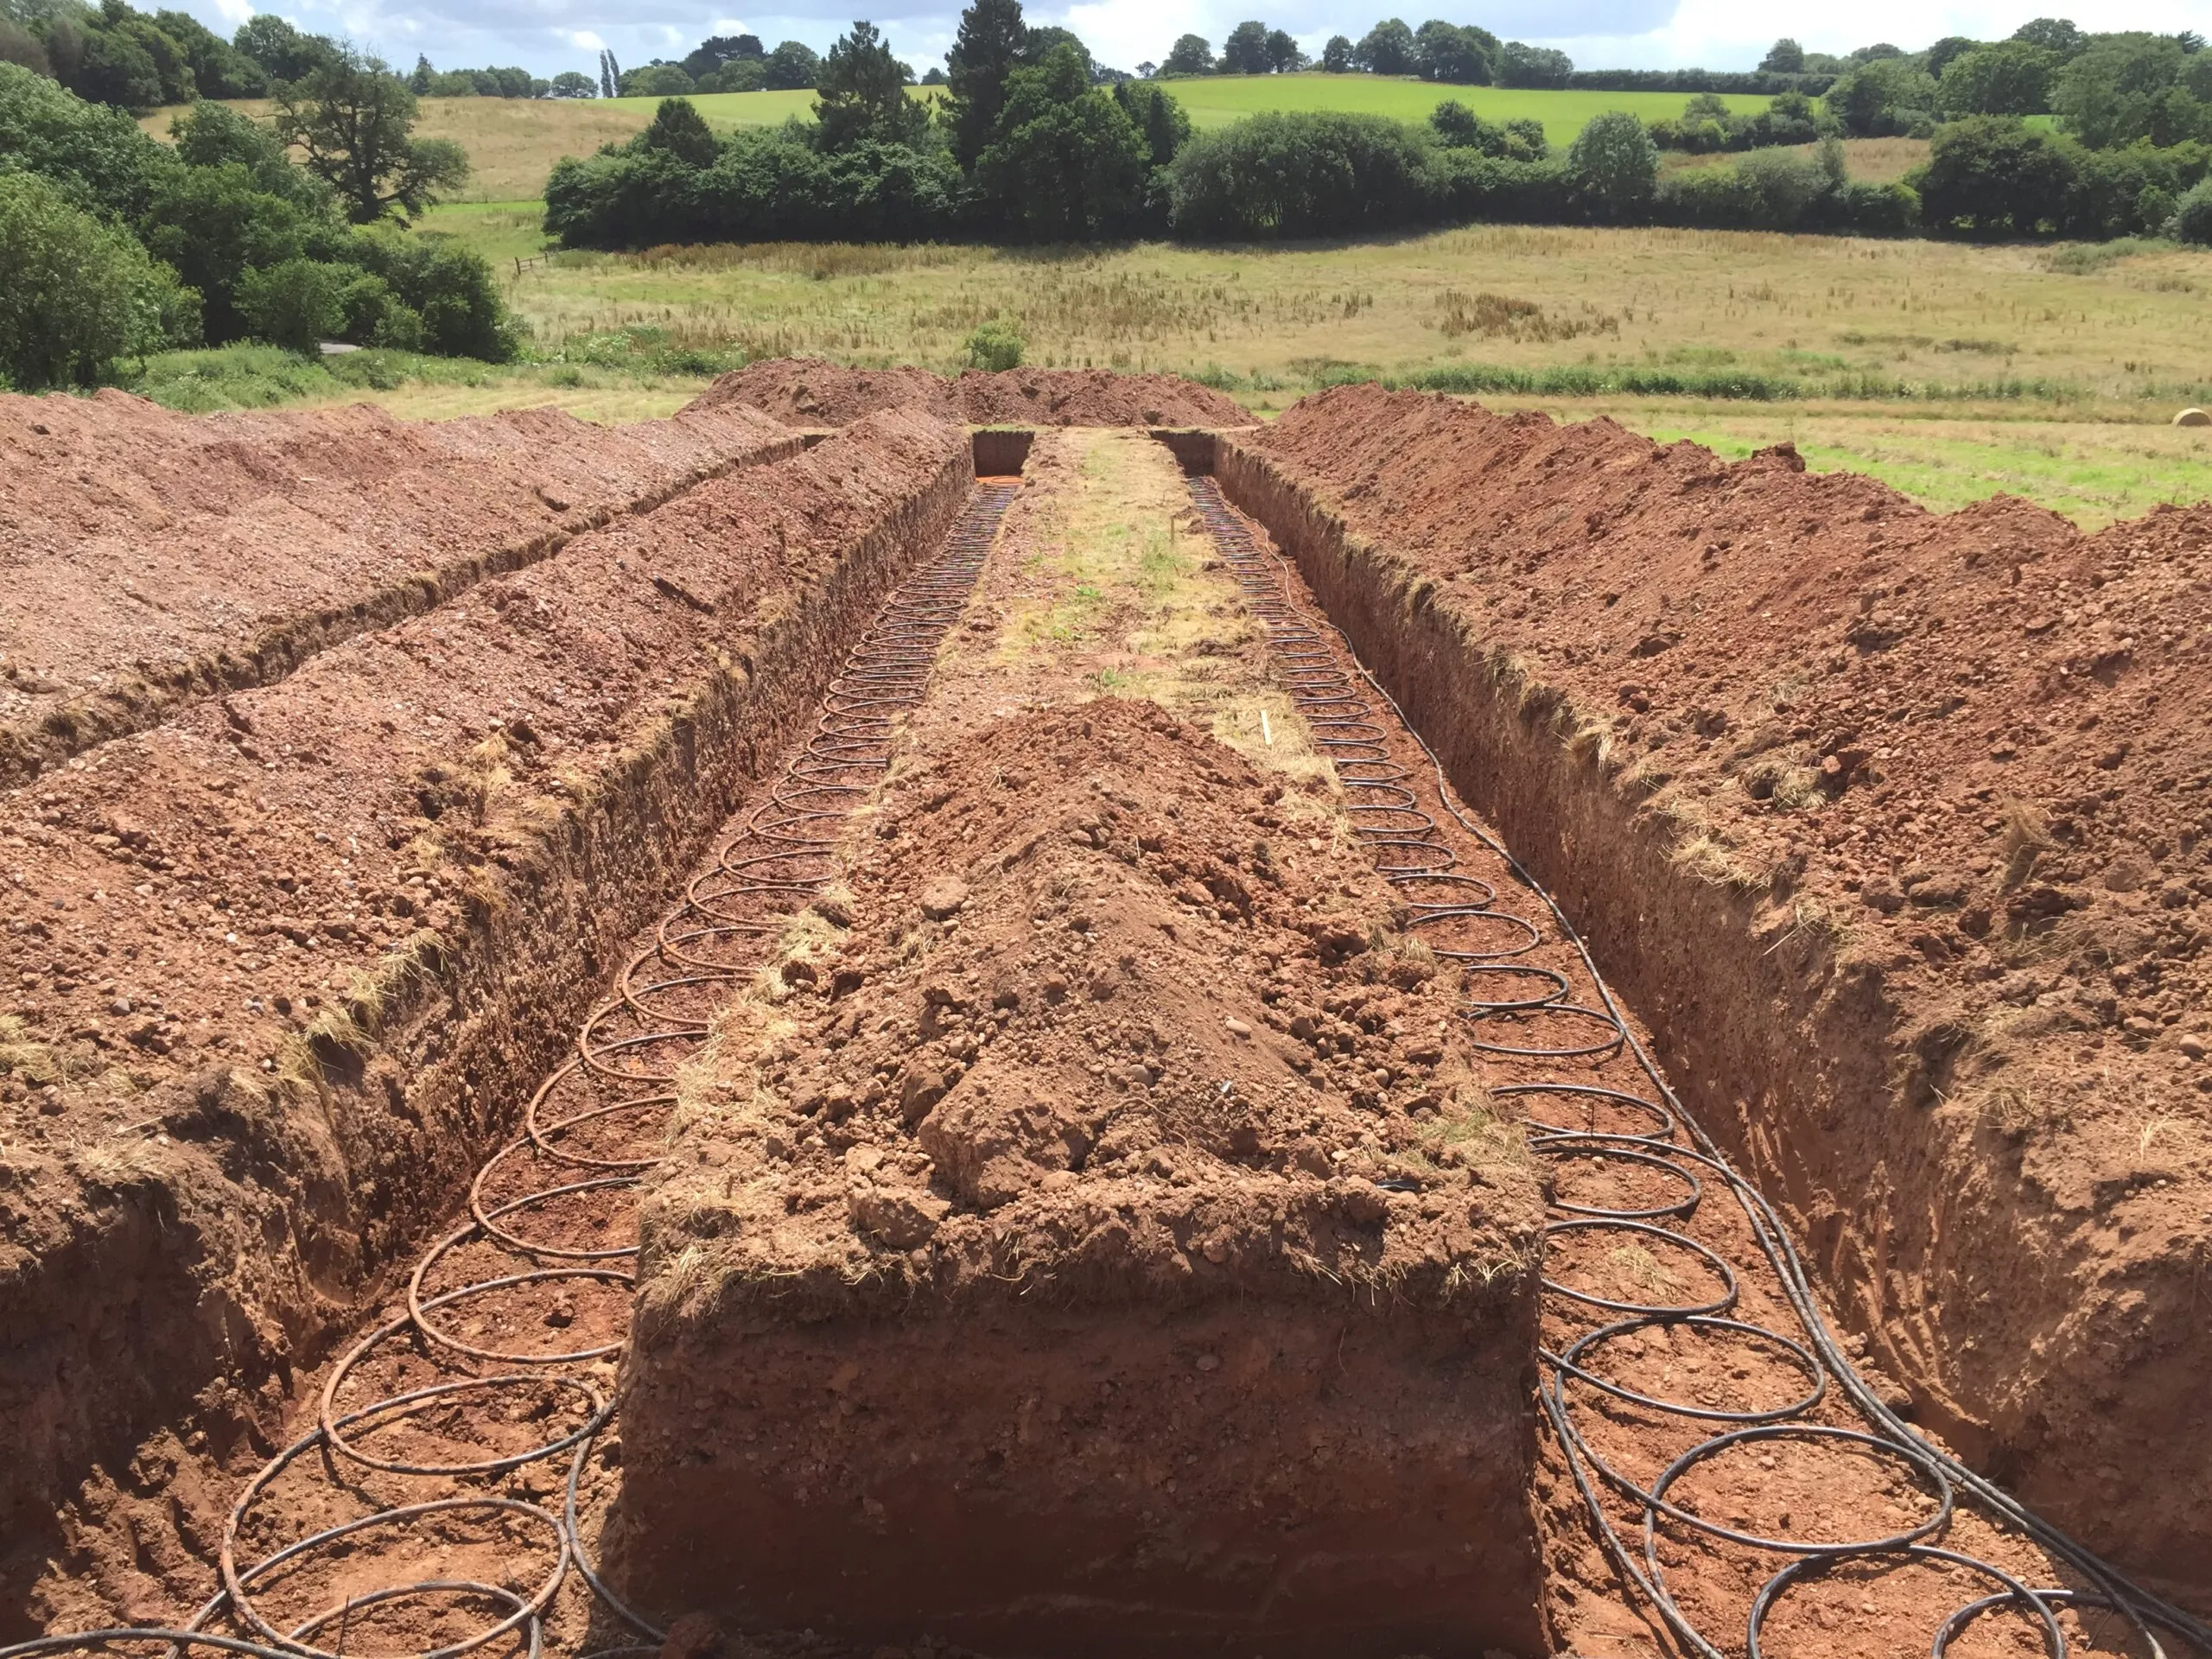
[[1339, 697], [627, 1054]]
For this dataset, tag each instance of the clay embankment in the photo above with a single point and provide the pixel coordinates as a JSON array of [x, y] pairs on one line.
[[1044, 1160], [152, 559], [808, 391], [1894, 826], [282, 968]]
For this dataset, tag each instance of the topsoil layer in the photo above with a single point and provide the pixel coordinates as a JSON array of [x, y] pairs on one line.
[[274, 969], [1954, 775], [808, 391], [150, 557], [1070, 991]]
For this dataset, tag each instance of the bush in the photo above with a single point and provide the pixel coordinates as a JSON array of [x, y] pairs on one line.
[[1283, 174], [762, 187], [445, 292], [76, 295], [996, 345], [2192, 220], [1993, 175], [212, 224], [1883, 98], [296, 305], [1616, 164]]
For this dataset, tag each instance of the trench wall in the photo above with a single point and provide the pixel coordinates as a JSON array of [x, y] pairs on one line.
[[188, 1281], [1800, 1060]]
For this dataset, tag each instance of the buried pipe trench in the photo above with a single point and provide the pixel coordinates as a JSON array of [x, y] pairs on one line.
[[1608, 1069]]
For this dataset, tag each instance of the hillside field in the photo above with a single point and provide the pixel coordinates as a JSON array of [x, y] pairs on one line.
[[513, 142]]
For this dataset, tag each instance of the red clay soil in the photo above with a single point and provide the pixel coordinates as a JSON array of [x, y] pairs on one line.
[[274, 970], [1053, 1157], [808, 391], [151, 557], [1951, 776]]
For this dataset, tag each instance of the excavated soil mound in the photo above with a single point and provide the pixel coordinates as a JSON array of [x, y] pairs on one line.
[[1028, 1156], [278, 966], [1954, 775], [808, 391], [151, 557]]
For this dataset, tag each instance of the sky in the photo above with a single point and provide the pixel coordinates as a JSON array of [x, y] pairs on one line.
[[546, 36]]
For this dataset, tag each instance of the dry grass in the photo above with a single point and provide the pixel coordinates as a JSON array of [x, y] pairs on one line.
[[1272, 321], [1878, 160]]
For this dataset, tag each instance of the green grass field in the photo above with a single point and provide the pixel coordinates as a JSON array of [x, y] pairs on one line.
[[1216, 100]]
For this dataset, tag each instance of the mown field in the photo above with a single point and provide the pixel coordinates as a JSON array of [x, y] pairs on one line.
[[513, 142], [1951, 369]]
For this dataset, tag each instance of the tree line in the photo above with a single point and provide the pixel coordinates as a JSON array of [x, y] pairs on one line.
[[113, 244], [1462, 54], [1032, 144]]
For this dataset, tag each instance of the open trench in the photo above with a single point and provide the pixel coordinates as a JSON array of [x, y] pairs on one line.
[[1721, 1473]]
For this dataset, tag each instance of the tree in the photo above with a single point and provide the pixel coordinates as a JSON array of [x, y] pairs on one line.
[[1616, 164], [719, 51], [1046, 37], [1533, 66], [1336, 56], [989, 45], [863, 95], [1192, 54], [19, 47], [1281, 174], [111, 66], [1992, 175], [657, 81], [75, 294], [1156, 114], [2123, 88], [1876, 52], [1946, 51], [1386, 49], [352, 118], [1283, 54], [1785, 57], [792, 66], [571, 83], [1457, 55], [2054, 34], [94, 154], [215, 135], [212, 224], [2011, 77], [1245, 51], [678, 129], [1066, 163], [218, 69], [283, 52], [1146, 69], [1882, 96]]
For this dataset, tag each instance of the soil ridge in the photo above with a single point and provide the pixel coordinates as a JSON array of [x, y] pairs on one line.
[[406, 887], [811, 391], [1895, 828], [160, 559]]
